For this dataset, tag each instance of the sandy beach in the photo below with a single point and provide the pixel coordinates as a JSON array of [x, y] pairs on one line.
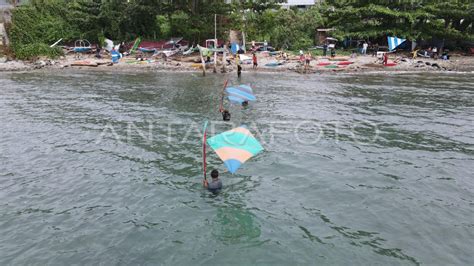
[[266, 63]]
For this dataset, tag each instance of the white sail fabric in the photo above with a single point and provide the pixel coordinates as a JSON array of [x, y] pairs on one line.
[[394, 42]]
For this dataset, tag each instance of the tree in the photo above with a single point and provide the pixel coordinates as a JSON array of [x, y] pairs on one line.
[[409, 19]]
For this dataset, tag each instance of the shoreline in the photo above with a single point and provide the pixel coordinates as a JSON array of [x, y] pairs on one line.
[[359, 64]]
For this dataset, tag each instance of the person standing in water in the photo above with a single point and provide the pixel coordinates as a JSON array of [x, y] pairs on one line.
[[215, 185], [239, 67]]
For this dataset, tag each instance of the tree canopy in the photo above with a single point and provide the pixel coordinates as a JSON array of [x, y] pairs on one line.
[[45, 21]]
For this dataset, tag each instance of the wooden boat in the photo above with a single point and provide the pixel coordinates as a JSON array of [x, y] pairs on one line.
[[82, 46], [324, 64], [147, 50], [345, 63]]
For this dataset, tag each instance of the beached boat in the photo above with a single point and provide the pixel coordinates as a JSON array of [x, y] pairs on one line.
[[82, 46], [274, 64], [147, 50], [345, 63], [324, 64], [168, 53]]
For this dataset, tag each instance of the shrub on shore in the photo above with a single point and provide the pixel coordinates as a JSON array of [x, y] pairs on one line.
[[34, 50]]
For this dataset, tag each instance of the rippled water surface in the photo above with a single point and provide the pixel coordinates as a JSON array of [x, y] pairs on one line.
[[102, 168]]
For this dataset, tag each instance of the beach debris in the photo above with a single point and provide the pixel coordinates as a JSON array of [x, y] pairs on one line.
[[85, 63], [54, 44]]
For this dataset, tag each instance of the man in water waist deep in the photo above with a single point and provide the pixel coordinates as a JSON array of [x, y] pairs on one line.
[[215, 185]]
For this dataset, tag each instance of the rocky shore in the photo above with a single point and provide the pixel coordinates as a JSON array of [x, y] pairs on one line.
[[265, 64]]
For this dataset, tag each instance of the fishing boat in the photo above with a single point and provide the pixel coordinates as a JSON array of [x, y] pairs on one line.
[[345, 63], [82, 46], [324, 64], [147, 50]]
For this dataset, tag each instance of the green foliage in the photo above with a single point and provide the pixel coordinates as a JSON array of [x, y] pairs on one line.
[[34, 50], [288, 29], [410, 19], [45, 21], [164, 25], [40, 22], [37, 25]]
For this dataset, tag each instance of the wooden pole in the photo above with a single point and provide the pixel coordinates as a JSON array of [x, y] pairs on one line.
[[215, 43], [221, 105], [243, 41]]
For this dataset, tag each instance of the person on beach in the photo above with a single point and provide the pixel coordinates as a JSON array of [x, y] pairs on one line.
[[265, 45], [385, 58], [115, 56], [333, 52], [307, 60], [354, 53], [215, 185], [122, 48], [301, 57], [325, 49], [97, 52], [376, 49], [435, 52], [254, 60], [364, 48]]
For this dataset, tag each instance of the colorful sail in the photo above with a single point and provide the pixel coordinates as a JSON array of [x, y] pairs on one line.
[[394, 42], [235, 146], [240, 94]]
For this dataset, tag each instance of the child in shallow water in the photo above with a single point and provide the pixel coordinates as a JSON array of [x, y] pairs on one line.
[[215, 185]]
